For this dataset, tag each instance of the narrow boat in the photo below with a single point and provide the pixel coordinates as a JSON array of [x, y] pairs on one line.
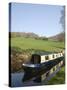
[[38, 66]]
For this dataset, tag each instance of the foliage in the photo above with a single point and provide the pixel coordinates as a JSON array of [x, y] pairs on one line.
[[62, 18]]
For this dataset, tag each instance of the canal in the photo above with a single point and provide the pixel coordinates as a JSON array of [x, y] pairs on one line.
[[17, 80]]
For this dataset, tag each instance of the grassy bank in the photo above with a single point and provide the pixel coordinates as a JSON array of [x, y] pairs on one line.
[[59, 78]]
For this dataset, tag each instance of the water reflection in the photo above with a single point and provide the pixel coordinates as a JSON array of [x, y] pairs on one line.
[[17, 80]]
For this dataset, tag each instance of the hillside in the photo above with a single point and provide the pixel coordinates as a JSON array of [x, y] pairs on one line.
[[27, 35], [58, 37], [23, 34]]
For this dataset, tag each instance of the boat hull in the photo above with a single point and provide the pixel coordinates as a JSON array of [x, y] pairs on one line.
[[36, 70]]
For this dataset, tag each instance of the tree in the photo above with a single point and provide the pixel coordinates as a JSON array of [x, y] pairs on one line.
[[62, 18]]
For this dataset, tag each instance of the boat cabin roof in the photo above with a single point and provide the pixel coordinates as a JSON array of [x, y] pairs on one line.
[[41, 54]]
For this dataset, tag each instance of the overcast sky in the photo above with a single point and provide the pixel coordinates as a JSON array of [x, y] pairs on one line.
[[38, 18]]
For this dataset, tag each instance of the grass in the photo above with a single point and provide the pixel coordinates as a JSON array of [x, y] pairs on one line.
[[30, 43], [22, 47], [59, 78]]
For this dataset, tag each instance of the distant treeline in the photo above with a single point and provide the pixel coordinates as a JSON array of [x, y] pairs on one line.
[[58, 37], [27, 35]]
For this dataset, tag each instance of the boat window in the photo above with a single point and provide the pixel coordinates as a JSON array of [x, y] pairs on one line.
[[53, 68], [56, 55], [46, 57], [53, 55], [47, 74], [57, 65]]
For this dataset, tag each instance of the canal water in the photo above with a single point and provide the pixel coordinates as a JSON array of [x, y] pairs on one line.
[[16, 80]]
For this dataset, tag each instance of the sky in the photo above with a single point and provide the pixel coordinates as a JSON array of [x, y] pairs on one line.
[[37, 18]]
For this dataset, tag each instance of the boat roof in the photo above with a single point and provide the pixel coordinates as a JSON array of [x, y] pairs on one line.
[[44, 53]]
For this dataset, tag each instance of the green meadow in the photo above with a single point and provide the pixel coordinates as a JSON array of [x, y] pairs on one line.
[[31, 43]]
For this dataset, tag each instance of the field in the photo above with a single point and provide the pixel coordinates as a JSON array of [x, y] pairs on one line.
[[31, 43], [22, 48]]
